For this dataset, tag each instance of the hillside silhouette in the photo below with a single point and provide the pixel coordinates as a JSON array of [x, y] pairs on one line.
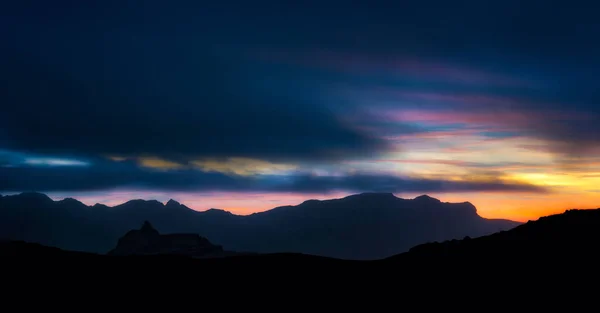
[[363, 226], [554, 253], [570, 236]]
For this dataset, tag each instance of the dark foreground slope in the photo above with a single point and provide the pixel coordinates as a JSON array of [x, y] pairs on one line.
[[570, 236], [552, 259], [548, 262], [363, 226], [573, 236]]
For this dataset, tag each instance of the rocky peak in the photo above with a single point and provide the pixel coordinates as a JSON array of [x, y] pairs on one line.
[[148, 229], [147, 240], [172, 203]]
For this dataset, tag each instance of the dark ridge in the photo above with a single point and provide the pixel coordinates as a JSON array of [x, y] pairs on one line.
[[72, 202], [373, 195], [217, 211], [426, 198], [572, 234], [33, 196], [140, 202], [172, 203], [311, 201], [364, 226], [559, 239]]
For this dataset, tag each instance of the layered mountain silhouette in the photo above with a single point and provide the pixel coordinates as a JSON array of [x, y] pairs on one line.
[[362, 226], [561, 238], [553, 254]]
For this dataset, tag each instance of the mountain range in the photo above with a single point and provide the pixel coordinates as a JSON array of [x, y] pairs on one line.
[[361, 227], [559, 239], [552, 259]]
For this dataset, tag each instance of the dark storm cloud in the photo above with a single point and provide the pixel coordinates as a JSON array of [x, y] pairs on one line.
[[105, 175], [168, 80], [111, 175], [52, 113], [389, 183], [69, 87]]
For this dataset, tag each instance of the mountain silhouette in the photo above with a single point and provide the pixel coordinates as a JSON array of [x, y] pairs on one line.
[[148, 241], [572, 235], [553, 253], [362, 226]]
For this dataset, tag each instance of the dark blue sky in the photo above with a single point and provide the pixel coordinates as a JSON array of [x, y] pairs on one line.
[[280, 96]]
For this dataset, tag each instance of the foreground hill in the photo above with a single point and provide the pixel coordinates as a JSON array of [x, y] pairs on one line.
[[570, 236], [362, 226], [552, 260]]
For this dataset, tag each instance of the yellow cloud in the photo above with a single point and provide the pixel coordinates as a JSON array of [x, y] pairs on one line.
[[242, 166], [157, 163], [582, 182]]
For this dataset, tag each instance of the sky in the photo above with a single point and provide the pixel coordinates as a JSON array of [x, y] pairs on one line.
[[248, 105]]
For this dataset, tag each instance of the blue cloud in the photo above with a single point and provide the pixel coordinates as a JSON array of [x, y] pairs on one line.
[[105, 174]]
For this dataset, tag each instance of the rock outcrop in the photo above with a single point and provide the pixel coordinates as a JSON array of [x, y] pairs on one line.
[[148, 241]]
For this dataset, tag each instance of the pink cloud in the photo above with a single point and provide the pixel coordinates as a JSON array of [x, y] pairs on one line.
[[454, 117], [475, 110], [435, 135]]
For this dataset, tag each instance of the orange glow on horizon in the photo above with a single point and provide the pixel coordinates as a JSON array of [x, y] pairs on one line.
[[513, 206]]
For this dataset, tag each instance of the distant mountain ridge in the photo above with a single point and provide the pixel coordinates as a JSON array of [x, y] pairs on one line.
[[361, 226]]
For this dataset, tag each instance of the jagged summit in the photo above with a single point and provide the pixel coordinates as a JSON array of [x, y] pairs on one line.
[[147, 228], [148, 240], [172, 203]]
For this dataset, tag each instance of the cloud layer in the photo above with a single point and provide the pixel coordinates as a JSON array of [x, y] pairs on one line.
[[105, 175], [300, 97]]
